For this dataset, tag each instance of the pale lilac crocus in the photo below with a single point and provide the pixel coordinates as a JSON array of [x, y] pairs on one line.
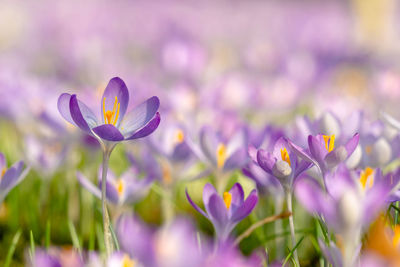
[[324, 153], [10, 177], [349, 204], [227, 211], [126, 189]]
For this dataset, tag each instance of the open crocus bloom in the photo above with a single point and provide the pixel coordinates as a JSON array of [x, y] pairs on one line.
[[124, 190], [323, 152], [10, 177], [225, 212], [114, 125]]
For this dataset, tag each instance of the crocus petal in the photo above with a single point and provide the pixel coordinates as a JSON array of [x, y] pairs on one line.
[[208, 144], [208, 191], [218, 211], [252, 151], [266, 160], [108, 132], [237, 194], [13, 176], [88, 185], [280, 145], [148, 129], [238, 141], [115, 88], [63, 107], [247, 207], [300, 152], [140, 116], [194, 205], [111, 192], [302, 166], [236, 160], [352, 144], [390, 120], [82, 115], [3, 162], [317, 148], [311, 196]]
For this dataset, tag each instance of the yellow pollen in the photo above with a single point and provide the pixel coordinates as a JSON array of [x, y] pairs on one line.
[[368, 150], [364, 177], [3, 171], [329, 142], [227, 199], [120, 187], [285, 156], [109, 115], [127, 261], [396, 237], [221, 155], [180, 137]]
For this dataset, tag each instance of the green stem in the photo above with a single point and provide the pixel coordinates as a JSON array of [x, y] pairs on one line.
[[108, 240], [291, 225]]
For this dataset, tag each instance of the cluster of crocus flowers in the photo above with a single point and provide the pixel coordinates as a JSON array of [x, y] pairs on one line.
[[349, 204], [227, 210]]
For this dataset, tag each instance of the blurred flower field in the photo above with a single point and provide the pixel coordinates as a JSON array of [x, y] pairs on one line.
[[199, 133]]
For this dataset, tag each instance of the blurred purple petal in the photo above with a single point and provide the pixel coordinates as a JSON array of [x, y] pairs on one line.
[[63, 107], [247, 207]]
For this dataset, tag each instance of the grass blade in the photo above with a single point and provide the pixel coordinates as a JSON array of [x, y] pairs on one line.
[[114, 237], [74, 237], [291, 252], [32, 249], [11, 250]]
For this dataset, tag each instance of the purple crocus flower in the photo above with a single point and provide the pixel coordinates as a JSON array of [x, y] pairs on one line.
[[114, 125], [10, 177], [225, 212], [124, 190], [224, 154], [282, 163], [351, 202], [163, 247], [323, 153]]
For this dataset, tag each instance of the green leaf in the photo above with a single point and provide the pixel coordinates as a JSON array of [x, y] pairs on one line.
[[293, 250]]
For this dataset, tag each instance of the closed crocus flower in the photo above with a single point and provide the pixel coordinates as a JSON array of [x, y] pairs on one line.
[[10, 177], [127, 189], [226, 211], [113, 125], [282, 163]]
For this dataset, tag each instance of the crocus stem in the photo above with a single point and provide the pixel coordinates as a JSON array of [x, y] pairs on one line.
[[291, 224], [167, 205], [106, 218]]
